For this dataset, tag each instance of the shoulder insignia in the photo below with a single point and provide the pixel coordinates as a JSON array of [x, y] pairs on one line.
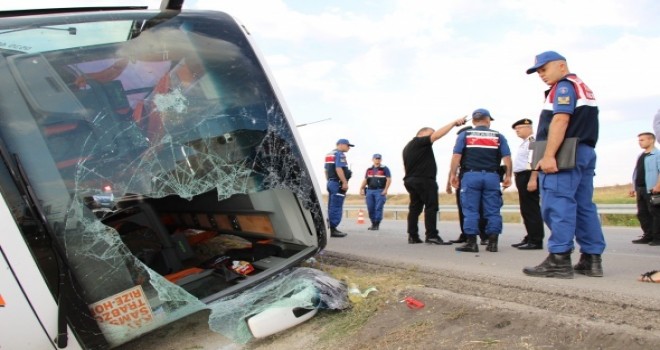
[[563, 100]]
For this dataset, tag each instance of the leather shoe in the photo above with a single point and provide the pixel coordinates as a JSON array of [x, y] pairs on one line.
[[336, 233], [436, 240], [522, 243], [530, 246], [460, 239], [642, 240], [654, 243], [414, 240]]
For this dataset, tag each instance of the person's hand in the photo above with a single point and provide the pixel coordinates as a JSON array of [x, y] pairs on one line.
[[506, 183], [344, 186], [460, 121], [548, 165], [655, 189], [448, 190], [532, 186], [631, 193], [455, 182], [363, 192], [384, 193]]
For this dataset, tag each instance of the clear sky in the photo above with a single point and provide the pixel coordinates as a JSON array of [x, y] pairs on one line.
[[382, 69]]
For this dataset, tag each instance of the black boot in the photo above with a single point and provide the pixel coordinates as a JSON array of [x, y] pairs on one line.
[[555, 265], [470, 245], [336, 233], [589, 265], [461, 239], [484, 238], [414, 239], [375, 226], [492, 243]]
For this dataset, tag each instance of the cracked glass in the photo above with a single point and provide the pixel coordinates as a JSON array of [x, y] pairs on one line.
[[162, 160]]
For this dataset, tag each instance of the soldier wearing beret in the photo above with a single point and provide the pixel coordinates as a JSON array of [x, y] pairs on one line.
[[528, 192]]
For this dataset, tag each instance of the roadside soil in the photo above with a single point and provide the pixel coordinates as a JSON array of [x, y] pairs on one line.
[[459, 312]]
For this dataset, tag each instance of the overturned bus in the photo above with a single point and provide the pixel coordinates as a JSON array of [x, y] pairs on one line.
[[150, 169]]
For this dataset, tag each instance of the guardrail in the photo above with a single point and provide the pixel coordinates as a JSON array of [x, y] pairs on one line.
[[401, 211]]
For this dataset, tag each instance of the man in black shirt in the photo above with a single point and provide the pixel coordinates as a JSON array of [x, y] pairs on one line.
[[420, 182], [645, 182]]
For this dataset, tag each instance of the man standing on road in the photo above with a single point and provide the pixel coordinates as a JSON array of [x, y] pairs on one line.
[[337, 173], [479, 152], [376, 182], [420, 182], [462, 238], [570, 110], [645, 182], [528, 193]]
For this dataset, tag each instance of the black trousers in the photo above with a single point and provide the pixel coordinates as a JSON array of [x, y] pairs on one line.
[[648, 215], [530, 209], [423, 196]]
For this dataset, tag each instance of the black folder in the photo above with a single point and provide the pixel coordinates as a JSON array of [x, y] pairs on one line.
[[565, 155]]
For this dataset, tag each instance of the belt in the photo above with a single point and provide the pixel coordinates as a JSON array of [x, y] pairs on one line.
[[522, 172], [335, 180], [480, 171], [375, 188]]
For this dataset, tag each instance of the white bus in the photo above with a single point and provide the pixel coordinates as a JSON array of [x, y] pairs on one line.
[[150, 170]]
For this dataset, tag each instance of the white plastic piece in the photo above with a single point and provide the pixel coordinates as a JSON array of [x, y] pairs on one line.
[[277, 319]]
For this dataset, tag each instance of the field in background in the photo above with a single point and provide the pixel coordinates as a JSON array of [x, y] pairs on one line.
[[602, 195]]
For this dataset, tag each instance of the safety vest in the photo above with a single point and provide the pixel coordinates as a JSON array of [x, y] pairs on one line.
[[583, 124], [376, 177], [482, 150]]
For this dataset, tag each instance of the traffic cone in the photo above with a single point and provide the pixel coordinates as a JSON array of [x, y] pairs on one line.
[[360, 217]]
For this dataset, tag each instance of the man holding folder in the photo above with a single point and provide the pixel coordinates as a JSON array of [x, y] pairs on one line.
[[570, 110]]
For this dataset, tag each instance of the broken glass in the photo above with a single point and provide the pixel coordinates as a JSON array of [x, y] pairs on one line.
[[139, 133]]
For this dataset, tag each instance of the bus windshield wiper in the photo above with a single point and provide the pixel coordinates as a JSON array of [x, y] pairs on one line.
[[36, 210]]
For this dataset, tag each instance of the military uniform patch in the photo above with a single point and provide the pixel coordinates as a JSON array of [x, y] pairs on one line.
[[563, 100]]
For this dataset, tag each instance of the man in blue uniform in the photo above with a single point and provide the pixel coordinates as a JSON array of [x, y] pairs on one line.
[[570, 110], [462, 238], [337, 173], [479, 152], [376, 182]]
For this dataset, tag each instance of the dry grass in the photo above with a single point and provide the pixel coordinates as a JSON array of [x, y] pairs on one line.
[[617, 194], [344, 324], [602, 195]]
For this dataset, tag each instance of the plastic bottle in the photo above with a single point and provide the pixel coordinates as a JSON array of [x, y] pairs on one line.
[[354, 294]]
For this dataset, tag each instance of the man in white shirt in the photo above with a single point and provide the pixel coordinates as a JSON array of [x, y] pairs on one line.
[[528, 191]]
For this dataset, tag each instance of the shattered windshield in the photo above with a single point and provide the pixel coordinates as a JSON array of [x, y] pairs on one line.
[[132, 127]]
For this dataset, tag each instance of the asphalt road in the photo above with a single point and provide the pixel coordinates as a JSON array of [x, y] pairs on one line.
[[623, 261]]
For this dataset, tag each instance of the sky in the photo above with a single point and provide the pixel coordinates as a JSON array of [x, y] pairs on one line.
[[376, 71]]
